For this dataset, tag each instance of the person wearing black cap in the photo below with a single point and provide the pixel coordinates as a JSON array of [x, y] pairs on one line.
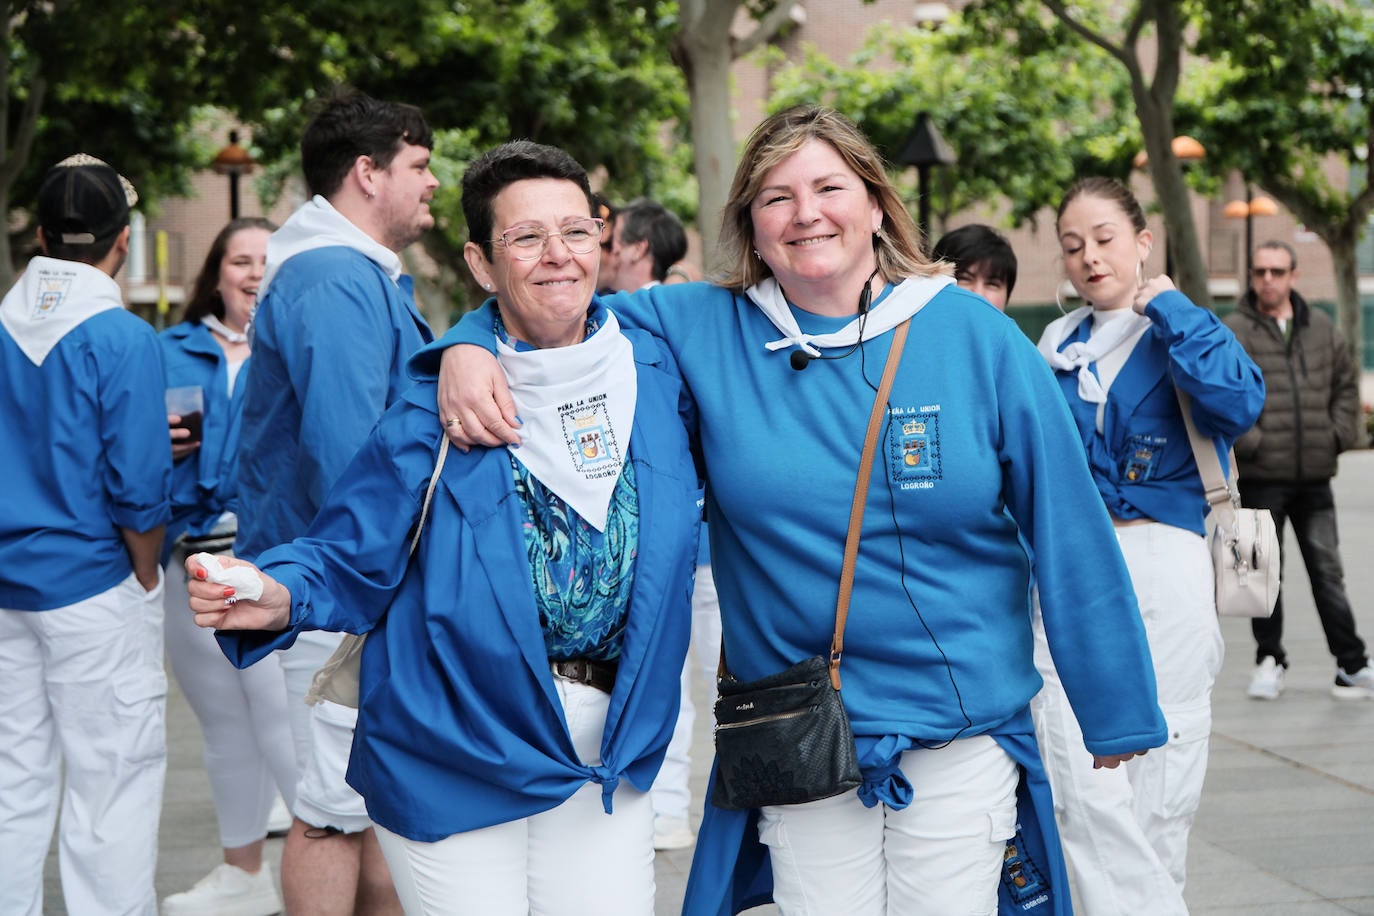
[[86, 467]]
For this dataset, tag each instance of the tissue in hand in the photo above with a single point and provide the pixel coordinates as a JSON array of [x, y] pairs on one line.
[[245, 581]]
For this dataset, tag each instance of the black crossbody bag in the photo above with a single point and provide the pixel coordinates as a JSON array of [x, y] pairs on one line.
[[785, 739]]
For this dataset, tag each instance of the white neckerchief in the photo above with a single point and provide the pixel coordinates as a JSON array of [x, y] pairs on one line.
[[316, 224], [908, 298], [51, 299], [577, 406], [1080, 355], [223, 330]]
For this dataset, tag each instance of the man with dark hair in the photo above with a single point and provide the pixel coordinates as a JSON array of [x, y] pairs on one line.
[[1286, 461], [647, 240], [87, 472], [335, 323], [983, 261]]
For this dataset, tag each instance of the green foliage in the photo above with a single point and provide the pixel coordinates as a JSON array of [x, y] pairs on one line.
[[1292, 87], [1022, 125], [131, 83], [591, 76]]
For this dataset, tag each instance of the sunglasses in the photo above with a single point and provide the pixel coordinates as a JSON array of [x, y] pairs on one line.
[[1259, 273]]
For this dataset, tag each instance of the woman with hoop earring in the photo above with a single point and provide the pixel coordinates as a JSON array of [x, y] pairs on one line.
[[1118, 359]]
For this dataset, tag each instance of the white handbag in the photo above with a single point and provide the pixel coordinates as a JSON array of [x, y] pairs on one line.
[[1244, 542]]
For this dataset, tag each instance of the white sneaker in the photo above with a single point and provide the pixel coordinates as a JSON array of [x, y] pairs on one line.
[[279, 819], [1357, 686], [672, 833], [1267, 681], [228, 891]]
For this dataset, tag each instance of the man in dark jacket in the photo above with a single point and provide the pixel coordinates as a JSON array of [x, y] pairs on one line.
[[1288, 458]]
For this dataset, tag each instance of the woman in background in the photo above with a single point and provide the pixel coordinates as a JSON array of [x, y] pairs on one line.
[[249, 756], [1118, 360]]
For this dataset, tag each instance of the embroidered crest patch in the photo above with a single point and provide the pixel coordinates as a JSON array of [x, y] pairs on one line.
[[590, 438], [1142, 456], [51, 292], [914, 446]]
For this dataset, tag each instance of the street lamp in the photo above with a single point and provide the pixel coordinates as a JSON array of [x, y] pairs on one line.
[[1185, 150], [233, 161], [1248, 209], [924, 148]]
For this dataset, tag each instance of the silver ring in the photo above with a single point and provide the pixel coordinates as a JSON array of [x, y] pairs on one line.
[[451, 422]]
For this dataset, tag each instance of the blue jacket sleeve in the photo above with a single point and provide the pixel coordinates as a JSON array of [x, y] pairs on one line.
[[648, 310], [133, 429], [1089, 607], [345, 571], [1208, 363]]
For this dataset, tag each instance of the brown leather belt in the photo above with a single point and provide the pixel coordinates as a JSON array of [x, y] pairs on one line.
[[598, 674]]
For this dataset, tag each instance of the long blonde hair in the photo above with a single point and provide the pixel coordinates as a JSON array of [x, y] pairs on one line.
[[898, 242]]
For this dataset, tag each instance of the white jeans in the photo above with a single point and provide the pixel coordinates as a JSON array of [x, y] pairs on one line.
[[323, 735], [1125, 831], [568, 861], [671, 792], [940, 855], [249, 755], [83, 686]]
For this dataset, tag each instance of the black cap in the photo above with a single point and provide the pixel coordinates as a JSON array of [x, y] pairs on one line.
[[82, 201]]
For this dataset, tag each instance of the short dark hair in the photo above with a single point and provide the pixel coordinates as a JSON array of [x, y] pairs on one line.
[[353, 124], [490, 173], [643, 219], [978, 245], [205, 298]]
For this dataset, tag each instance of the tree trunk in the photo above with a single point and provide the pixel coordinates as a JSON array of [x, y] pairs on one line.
[[1348, 312], [1166, 173], [705, 54], [7, 271]]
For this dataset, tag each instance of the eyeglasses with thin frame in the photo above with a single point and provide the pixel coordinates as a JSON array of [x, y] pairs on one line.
[[1259, 273], [526, 243]]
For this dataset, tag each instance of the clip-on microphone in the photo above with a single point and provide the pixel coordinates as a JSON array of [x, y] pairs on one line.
[[800, 359]]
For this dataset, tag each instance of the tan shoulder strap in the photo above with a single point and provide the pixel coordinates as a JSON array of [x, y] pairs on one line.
[[429, 493], [856, 509]]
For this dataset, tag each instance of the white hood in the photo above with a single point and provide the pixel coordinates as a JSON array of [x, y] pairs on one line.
[[316, 224]]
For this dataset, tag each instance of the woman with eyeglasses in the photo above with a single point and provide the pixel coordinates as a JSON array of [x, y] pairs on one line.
[[1118, 359], [519, 683]]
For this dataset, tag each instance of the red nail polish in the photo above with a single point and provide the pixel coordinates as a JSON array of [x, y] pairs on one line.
[[200, 573], [228, 591]]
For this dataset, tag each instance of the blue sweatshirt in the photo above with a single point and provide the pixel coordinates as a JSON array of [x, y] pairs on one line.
[[330, 341], [1142, 460], [84, 454]]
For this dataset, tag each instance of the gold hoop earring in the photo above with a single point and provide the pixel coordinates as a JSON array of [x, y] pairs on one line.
[[1059, 298]]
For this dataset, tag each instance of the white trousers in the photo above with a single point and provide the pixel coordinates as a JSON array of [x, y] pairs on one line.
[[249, 754], [1125, 831], [940, 855], [323, 736], [83, 687], [671, 792], [568, 861]]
